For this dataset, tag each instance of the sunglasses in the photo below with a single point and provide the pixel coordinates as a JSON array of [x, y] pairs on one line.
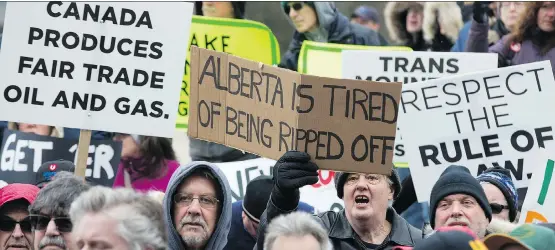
[[40, 223], [7, 224], [497, 208], [296, 6]]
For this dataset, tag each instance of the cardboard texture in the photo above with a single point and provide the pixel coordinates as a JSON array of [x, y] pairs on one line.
[[268, 111]]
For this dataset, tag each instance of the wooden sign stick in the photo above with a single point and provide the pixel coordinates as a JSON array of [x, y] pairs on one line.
[[82, 153]]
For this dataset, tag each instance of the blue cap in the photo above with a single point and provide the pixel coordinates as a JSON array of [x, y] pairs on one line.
[[367, 13]]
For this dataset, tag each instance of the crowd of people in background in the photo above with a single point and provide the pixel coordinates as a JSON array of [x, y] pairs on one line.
[[157, 202]]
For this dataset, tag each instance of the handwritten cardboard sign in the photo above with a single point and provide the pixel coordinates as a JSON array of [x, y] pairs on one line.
[[345, 125]]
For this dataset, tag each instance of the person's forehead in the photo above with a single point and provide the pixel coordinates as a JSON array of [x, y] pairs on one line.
[[198, 183], [454, 197]]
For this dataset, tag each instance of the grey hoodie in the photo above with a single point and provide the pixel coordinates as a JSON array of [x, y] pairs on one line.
[[326, 14], [218, 240]]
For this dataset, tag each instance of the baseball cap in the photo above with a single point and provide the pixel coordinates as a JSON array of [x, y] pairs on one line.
[[449, 238], [529, 236], [367, 13], [48, 169], [16, 191]]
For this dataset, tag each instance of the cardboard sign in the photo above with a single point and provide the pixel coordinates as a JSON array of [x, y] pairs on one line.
[[539, 204], [109, 66], [324, 59], [247, 39], [23, 153], [478, 120], [345, 125], [411, 67], [322, 195]]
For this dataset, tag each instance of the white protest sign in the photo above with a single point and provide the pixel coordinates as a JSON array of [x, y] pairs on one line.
[[110, 66], [411, 67], [539, 204], [478, 120], [322, 195]]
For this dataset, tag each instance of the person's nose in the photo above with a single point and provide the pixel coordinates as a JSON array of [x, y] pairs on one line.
[[293, 13], [456, 210], [194, 208], [52, 229], [17, 232]]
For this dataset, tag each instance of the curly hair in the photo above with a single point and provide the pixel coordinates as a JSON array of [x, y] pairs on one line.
[[527, 29]]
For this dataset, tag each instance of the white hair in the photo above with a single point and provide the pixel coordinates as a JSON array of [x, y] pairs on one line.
[[140, 217], [296, 224]]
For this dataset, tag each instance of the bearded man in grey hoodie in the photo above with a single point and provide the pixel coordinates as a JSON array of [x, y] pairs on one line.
[[197, 207]]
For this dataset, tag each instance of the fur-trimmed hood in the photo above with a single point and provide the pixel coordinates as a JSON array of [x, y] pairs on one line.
[[56, 131], [446, 14], [395, 14], [451, 20]]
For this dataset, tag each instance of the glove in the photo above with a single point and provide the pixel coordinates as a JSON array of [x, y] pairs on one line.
[[481, 11], [291, 172]]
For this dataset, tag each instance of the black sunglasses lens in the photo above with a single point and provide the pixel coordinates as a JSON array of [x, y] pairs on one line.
[[297, 6], [64, 225], [496, 208], [39, 222], [7, 224], [26, 225]]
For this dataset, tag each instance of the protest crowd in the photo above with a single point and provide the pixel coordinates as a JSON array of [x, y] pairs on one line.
[[454, 192]]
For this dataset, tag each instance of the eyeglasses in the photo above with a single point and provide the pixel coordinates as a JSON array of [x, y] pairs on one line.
[[7, 224], [206, 201], [40, 223], [296, 6], [371, 178], [497, 208]]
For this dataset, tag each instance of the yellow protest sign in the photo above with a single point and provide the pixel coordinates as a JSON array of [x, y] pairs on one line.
[[324, 59], [247, 39]]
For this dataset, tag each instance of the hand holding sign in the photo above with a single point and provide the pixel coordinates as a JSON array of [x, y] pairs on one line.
[[345, 125]]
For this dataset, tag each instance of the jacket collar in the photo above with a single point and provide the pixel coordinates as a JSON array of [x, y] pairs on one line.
[[400, 231]]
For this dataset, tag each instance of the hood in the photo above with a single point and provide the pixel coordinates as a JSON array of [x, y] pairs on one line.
[[395, 14], [446, 14], [238, 9], [500, 226], [326, 13], [218, 240], [56, 132]]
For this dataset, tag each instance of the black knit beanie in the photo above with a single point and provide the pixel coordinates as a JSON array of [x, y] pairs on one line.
[[501, 178], [457, 180], [257, 196], [341, 178]]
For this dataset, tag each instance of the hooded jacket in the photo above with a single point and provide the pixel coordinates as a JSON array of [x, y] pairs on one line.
[[341, 234], [333, 27], [446, 14], [527, 53], [218, 239]]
